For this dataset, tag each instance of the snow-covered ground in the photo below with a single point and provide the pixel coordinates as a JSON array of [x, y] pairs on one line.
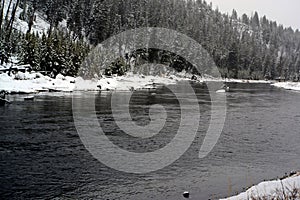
[[247, 81], [288, 85], [126, 83], [36, 82], [33, 82], [271, 189]]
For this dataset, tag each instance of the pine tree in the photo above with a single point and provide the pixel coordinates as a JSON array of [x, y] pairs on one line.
[[234, 14], [75, 21], [29, 53], [255, 21], [233, 61], [99, 21], [245, 19]]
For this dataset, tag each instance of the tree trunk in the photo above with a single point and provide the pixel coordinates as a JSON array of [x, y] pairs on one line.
[[1, 13], [50, 30], [31, 20], [7, 11], [12, 19]]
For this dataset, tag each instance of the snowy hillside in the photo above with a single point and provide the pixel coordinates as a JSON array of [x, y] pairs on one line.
[[40, 24]]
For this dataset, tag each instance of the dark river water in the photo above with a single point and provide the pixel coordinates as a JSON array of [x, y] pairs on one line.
[[42, 156]]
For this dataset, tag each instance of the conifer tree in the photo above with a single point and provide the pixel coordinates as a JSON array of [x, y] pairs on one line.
[[29, 52]]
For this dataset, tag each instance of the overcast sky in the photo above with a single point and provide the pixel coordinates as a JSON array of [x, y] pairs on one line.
[[285, 12]]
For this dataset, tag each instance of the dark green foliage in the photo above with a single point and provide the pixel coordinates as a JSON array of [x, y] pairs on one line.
[[118, 67], [29, 53], [233, 60], [56, 54], [242, 46], [255, 21], [245, 19]]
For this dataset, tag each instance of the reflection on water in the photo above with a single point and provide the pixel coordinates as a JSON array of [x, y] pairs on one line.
[[43, 157]]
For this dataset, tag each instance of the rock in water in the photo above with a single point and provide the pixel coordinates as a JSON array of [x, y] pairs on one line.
[[29, 98], [186, 194]]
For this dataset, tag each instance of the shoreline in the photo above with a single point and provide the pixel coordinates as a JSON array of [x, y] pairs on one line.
[[283, 187], [295, 86], [33, 83]]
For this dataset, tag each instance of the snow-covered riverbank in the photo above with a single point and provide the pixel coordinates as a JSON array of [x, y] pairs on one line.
[[288, 85], [36, 82], [277, 189], [247, 81]]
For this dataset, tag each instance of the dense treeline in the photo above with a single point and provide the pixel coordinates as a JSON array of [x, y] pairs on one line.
[[250, 47], [55, 52]]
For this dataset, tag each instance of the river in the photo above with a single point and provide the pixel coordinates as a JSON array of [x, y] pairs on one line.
[[42, 156]]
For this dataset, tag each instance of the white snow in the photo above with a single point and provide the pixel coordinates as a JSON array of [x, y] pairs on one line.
[[221, 91], [288, 85], [86, 85], [270, 189], [135, 82], [247, 81], [33, 83], [36, 82], [128, 82], [12, 62]]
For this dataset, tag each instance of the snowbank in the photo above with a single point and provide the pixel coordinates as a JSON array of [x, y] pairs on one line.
[[247, 81], [270, 189], [36, 82], [288, 85], [135, 82], [128, 82], [228, 80]]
